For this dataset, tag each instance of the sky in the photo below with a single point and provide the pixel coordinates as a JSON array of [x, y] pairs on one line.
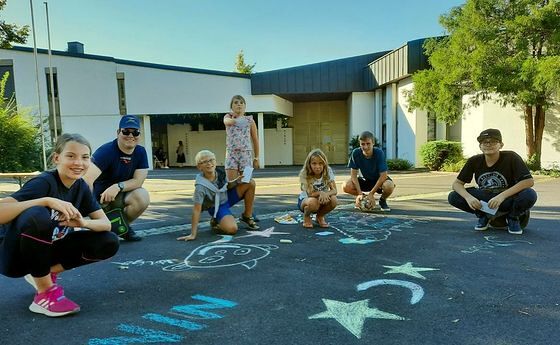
[[209, 34]]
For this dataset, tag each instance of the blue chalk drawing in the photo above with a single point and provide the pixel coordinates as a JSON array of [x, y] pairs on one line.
[[491, 243], [214, 255], [365, 228], [147, 335], [188, 325], [324, 233], [196, 310]]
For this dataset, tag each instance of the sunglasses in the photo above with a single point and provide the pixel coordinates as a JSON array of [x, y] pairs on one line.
[[128, 132]]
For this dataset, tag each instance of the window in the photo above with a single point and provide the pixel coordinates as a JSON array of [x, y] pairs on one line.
[[122, 94], [55, 124]]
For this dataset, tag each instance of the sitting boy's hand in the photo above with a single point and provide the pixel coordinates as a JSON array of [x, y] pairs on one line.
[[190, 237]]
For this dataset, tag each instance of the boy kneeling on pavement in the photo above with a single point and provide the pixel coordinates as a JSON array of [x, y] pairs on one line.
[[216, 195]]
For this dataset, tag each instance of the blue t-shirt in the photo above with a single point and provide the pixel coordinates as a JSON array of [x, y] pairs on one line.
[[116, 166], [371, 167], [49, 184]]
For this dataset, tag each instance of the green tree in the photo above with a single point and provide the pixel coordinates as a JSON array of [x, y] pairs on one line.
[[502, 50], [241, 66], [19, 147], [10, 32]]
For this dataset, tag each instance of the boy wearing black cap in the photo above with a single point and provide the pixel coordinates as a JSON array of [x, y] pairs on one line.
[[504, 183], [117, 173]]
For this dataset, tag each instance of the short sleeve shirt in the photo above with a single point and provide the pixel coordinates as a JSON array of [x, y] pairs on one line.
[[371, 167], [205, 197], [116, 166], [238, 136], [78, 194], [319, 184], [506, 172]]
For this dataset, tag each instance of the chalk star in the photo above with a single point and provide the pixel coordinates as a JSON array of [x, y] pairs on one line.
[[408, 269], [264, 233], [352, 315]]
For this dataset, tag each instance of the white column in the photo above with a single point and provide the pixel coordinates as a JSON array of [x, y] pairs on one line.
[[260, 130], [147, 139]]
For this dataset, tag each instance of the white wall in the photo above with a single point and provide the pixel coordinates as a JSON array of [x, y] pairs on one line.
[[510, 121], [391, 118], [157, 91], [278, 144], [360, 113], [412, 129]]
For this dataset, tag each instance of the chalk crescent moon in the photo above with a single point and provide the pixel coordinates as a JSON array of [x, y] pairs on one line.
[[417, 291]]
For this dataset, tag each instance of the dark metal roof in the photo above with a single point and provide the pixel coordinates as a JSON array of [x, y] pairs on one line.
[[133, 63], [398, 64], [335, 80], [328, 80]]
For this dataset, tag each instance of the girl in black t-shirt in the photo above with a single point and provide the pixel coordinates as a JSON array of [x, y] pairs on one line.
[[45, 231]]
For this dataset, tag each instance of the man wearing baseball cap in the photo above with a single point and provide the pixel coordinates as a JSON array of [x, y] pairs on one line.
[[117, 173], [503, 185]]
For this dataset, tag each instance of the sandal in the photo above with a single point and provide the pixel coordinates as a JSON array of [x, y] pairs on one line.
[[249, 222]]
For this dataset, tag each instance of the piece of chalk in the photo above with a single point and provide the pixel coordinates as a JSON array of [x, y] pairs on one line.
[[285, 241]]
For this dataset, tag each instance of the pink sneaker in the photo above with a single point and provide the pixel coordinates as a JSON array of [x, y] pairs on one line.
[[31, 281], [53, 303]]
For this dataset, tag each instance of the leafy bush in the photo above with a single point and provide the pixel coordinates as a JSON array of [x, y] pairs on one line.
[[533, 162], [399, 164], [434, 154], [453, 166], [19, 148]]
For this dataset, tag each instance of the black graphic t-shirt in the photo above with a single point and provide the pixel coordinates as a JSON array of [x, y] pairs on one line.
[[506, 172]]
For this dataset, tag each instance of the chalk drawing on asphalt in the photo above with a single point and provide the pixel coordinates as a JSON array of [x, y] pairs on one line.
[[417, 290], [216, 255], [492, 242], [148, 335], [352, 315], [365, 228], [142, 262], [263, 233], [409, 269]]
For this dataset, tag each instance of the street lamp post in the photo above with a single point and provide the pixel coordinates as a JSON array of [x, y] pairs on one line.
[[38, 89], [51, 76]]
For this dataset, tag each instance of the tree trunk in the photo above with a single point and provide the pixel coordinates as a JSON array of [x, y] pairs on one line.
[[539, 131], [534, 129], [529, 137]]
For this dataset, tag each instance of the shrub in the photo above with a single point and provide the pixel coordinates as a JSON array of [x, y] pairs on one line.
[[399, 164], [453, 166], [533, 162], [19, 145], [436, 153]]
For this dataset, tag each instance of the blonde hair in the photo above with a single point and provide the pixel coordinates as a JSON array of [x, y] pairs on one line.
[[306, 174], [239, 97], [203, 154]]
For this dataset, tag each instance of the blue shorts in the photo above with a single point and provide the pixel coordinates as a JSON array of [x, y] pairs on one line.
[[366, 185], [299, 201], [223, 209]]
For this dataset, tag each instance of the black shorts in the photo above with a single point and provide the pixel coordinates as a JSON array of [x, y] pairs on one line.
[[366, 185]]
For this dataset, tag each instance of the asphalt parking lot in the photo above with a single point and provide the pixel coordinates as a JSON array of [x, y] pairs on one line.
[[416, 275]]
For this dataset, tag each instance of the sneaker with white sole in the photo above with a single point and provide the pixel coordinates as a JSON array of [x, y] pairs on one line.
[[514, 227], [482, 223], [29, 278], [383, 205], [53, 303]]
